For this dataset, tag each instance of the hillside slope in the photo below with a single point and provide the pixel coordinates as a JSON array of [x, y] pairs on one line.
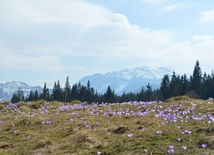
[[182, 126]]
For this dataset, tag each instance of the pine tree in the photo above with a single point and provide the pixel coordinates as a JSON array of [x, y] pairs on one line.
[[57, 92], [54, 92], [196, 79], [36, 96], [89, 94], [148, 93], [74, 92], [164, 88], [45, 94], [15, 98], [184, 85], [31, 95], [141, 95], [211, 92], [205, 86], [82, 93], [67, 90], [18, 96], [109, 96], [174, 85]]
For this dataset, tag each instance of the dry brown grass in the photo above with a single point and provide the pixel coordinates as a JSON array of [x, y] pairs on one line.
[[41, 127]]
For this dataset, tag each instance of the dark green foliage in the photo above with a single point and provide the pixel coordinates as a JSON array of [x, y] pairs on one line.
[[148, 92], [36, 96], [18, 96], [67, 90], [15, 99], [197, 86], [184, 85], [109, 96], [74, 92], [175, 84], [165, 85], [57, 92], [31, 96], [196, 79], [45, 94]]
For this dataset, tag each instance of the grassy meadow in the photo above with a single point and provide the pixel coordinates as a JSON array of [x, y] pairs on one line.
[[180, 125]]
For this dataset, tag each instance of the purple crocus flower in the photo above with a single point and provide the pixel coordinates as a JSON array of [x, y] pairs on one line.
[[159, 132], [130, 135], [204, 145], [88, 126], [70, 120], [185, 147], [171, 147], [179, 139], [170, 151]]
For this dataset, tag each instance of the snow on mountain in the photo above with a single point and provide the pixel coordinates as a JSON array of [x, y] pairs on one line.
[[127, 80], [9, 88]]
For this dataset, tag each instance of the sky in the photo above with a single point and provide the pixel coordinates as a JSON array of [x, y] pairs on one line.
[[45, 41]]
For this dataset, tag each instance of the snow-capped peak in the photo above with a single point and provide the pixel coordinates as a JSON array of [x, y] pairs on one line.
[[7, 89], [128, 80]]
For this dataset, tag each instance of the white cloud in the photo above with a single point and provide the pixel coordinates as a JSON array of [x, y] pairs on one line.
[[173, 7], [122, 39], [181, 54], [207, 16], [13, 60], [38, 11]]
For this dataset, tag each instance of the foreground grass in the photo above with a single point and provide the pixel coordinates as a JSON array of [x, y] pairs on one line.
[[178, 126]]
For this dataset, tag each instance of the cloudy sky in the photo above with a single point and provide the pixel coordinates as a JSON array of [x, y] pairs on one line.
[[45, 41]]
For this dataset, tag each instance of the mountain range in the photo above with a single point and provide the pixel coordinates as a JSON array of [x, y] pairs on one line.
[[9, 88], [126, 80]]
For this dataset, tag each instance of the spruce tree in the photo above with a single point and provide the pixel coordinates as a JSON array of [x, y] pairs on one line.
[[15, 98], [109, 96], [184, 85], [148, 93], [18, 96], [141, 95], [174, 86], [196, 79], [164, 88], [57, 92], [74, 92], [45, 93], [67, 90], [36, 96], [30, 96]]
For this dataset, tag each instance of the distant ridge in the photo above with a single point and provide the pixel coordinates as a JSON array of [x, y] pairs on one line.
[[9, 88], [127, 80]]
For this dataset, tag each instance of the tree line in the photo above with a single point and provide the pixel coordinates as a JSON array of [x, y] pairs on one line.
[[196, 86]]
